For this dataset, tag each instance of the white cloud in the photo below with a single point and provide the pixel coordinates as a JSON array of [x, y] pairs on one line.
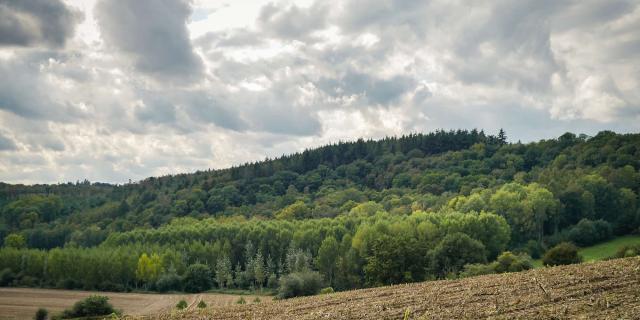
[[131, 92]]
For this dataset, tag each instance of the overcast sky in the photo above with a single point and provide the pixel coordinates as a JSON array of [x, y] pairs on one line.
[[111, 90]]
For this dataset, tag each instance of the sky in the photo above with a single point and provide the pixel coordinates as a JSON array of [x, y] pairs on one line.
[[112, 90]]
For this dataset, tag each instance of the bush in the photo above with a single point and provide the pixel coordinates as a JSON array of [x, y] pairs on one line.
[[181, 304], [297, 284], [241, 301], [327, 290], [68, 284], [169, 282], [41, 314], [628, 251], [90, 307], [257, 300], [7, 277], [477, 269], [198, 278], [562, 254], [509, 262], [202, 304], [587, 232]]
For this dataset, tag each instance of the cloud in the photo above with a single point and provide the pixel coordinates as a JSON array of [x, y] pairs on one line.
[[153, 87], [293, 22], [152, 34], [6, 143], [34, 22]]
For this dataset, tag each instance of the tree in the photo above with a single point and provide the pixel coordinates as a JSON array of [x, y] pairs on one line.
[[15, 240], [502, 136], [149, 268], [259, 272], [327, 258], [197, 278], [223, 272], [454, 251]]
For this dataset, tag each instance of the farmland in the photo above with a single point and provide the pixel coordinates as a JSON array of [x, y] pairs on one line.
[[22, 303], [601, 290]]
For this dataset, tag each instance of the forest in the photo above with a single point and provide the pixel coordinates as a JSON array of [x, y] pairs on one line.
[[348, 215]]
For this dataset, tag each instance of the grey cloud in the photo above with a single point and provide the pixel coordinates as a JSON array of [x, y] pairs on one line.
[[7, 144], [229, 38], [36, 22], [293, 22], [27, 94], [375, 90], [153, 34]]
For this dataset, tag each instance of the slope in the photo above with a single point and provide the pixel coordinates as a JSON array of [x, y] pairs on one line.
[[602, 290]]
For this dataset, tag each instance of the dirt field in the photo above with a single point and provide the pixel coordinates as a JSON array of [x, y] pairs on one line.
[[22, 303], [602, 290]]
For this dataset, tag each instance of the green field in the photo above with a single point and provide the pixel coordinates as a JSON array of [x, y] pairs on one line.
[[602, 250]]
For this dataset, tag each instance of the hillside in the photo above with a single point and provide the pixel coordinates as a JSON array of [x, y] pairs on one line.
[[349, 215], [602, 290]]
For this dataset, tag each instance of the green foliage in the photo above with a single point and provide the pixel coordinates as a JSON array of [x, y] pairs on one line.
[[455, 251], [202, 304], [198, 278], [327, 290], [628, 251], [305, 283], [241, 300], [257, 300], [92, 306], [562, 254], [588, 232], [15, 241], [338, 205], [181, 305], [169, 282], [41, 314]]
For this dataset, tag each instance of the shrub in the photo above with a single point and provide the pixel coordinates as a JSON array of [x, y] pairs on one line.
[[506, 262], [327, 290], [202, 305], [169, 282], [563, 253], [587, 232], [509, 262], [41, 314], [628, 251], [6, 277], [198, 278], [297, 284], [256, 300], [90, 307], [241, 301], [477, 269], [181, 304]]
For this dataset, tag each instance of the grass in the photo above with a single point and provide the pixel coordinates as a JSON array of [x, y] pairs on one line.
[[601, 251], [605, 250]]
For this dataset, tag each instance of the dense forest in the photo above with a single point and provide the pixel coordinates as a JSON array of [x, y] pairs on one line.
[[346, 215]]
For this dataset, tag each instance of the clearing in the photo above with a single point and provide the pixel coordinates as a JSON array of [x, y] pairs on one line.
[[600, 290], [22, 303]]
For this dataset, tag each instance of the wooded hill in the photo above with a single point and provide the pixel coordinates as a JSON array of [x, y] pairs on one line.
[[348, 215]]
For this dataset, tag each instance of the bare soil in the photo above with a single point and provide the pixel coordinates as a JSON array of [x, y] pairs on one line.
[[22, 303], [601, 290]]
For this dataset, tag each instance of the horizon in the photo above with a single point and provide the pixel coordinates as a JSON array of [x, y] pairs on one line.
[[111, 91], [131, 181]]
